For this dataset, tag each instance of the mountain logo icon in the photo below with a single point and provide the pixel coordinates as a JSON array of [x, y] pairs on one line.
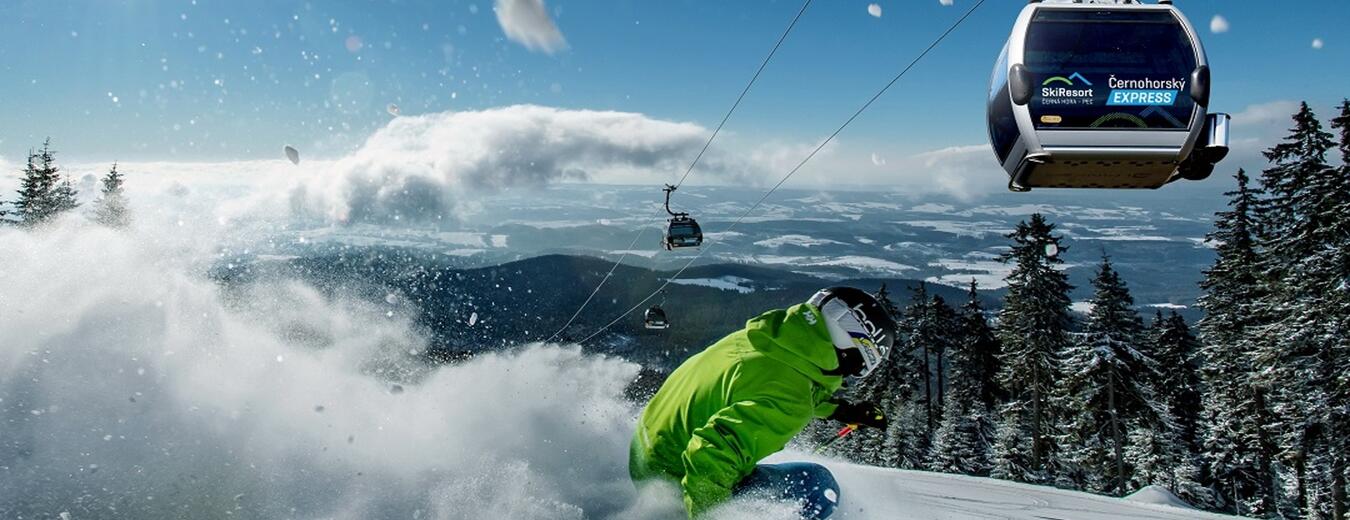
[[1068, 80]]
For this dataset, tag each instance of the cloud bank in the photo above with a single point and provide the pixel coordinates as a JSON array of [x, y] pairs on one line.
[[421, 167], [528, 23]]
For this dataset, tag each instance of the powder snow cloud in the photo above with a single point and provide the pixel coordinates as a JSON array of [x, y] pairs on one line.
[[527, 22]]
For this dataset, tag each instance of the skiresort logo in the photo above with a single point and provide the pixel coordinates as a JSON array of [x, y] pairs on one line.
[[1143, 92], [1073, 94], [1067, 81]]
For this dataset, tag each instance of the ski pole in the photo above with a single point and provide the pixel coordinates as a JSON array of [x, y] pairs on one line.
[[843, 432]]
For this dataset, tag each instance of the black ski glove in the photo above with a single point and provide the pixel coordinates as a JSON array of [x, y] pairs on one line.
[[866, 414]]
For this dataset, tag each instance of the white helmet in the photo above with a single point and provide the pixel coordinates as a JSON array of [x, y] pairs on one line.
[[858, 325]]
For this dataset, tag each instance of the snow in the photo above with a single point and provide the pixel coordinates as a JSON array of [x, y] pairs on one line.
[[960, 228], [934, 208], [1159, 495], [1166, 306], [725, 283], [867, 264], [796, 240], [990, 274], [644, 253], [1126, 234], [1081, 307], [722, 235], [869, 493]]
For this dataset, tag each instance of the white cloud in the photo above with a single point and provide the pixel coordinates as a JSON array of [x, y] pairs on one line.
[[1317, 43], [1254, 129], [528, 23], [878, 160], [965, 172], [1218, 24], [961, 171], [421, 167], [1265, 114], [946, 2], [874, 10]]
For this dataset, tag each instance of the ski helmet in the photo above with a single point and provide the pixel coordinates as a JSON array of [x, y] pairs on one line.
[[858, 324]]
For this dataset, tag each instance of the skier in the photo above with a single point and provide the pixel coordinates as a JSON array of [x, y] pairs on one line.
[[743, 398]]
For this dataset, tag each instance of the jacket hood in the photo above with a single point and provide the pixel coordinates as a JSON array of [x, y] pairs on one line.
[[798, 338]]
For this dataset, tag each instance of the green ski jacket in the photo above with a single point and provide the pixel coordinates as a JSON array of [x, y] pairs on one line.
[[737, 402]]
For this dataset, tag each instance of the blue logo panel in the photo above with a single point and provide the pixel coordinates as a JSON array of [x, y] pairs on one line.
[[1139, 97]]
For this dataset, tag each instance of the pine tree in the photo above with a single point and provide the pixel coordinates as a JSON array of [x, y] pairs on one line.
[[35, 192], [920, 322], [1237, 452], [948, 335], [43, 192], [1177, 352], [1338, 268], [110, 209], [1294, 354], [1165, 452], [1033, 329], [1106, 383], [963, 442], [893, 386], [906, 440]]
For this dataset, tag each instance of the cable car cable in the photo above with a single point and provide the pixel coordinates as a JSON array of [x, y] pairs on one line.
[[642, 229], [799, 166]]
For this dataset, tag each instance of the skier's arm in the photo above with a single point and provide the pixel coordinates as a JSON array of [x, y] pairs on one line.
[[826, 408], [726, 449]]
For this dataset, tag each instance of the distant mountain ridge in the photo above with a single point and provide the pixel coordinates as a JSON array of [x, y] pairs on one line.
[[528, 300]]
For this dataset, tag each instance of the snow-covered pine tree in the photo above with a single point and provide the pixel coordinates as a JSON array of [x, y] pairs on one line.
[[1177, 352], [1106, 383], [35, 192], [920, 321], [1237, 452], [947, 336], [1339, 327], [963, 441], [894, 387], [43, 192], [1033, 329], [907, 374], [1164, 452], [110, 209], [1294, 355], [906, 441]]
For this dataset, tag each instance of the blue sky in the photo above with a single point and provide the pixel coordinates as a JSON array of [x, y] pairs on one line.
[[234, 79]]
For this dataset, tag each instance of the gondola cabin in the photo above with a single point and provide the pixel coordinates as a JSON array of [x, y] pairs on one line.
[[655, 319], [682, 231], [1091, 95]]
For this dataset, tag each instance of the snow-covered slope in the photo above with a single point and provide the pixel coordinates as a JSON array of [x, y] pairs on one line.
[[877, 493]]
